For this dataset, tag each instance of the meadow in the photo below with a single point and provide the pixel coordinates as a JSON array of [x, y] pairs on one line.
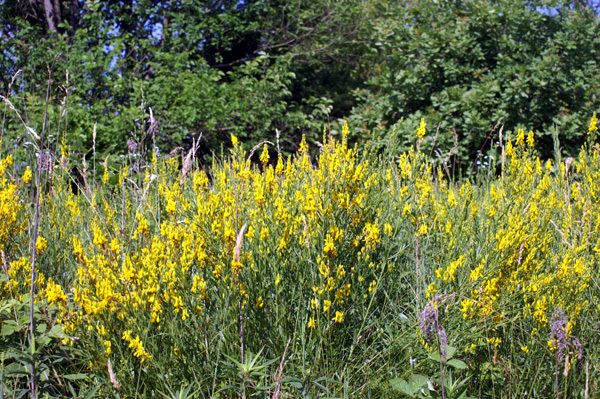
[[334, 272]]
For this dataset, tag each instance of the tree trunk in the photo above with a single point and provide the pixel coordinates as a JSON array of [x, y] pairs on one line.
[[57, 13], [74, 16], [52, 16], [165, 23]]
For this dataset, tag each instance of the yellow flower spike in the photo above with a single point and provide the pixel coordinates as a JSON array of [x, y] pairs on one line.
[[329, 247], [387, 229], [234, 141], [55, 293], [99, 238], [126, 335], [371, 235], [530, 138], [520, 137], [115, 246], [326, 305], [340, 272], [509, 149], [372, 287], [264, 156], [421, 130], [279, 167], [27, 176], [107, 346], [303, 146], [311, 323], [41, 244], [593, 124], [431, 290], [452, 198], [138, 347], [345, 129], [64, 152]]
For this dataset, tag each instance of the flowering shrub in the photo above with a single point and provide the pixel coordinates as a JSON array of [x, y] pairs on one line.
[[166, 263], [10, 207], [323, 266]]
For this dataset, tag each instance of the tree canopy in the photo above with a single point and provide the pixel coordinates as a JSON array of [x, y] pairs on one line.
[[253, 68]]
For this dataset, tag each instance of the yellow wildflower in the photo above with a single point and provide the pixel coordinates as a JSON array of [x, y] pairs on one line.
[[593, 124], [329, 248], [339, 317], [27, 176], [530, 139], [387, 229], [421, 130], [55, 293], [264, 156], [520, 137], [41, 244]]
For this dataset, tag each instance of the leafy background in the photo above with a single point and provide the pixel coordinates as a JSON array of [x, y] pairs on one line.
[[293, 185], [254, 68]]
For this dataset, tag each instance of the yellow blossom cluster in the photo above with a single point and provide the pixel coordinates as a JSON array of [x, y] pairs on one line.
[[522, 246], [314, 246], [10, 205], [173, 249]]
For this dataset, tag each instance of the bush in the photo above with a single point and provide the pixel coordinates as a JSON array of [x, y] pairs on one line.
[[310, 276]]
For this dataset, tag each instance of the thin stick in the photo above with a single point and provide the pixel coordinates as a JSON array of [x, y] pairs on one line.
[[587, 379], [239, 285], [556, 377], [441, 362], [35, 235], [278, 383], [94, 146]]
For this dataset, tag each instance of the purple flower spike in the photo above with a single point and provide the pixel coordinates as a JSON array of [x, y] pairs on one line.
[[429, 325], [558, 333]]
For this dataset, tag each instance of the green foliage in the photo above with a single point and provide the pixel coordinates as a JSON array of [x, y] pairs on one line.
[[260, 67], [206, 69], [470, 67], [57, 373]]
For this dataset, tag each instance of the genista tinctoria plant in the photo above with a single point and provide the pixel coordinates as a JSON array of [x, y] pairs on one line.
[[308, 275]]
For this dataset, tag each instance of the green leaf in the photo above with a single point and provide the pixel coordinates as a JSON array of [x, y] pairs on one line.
[[400, 385], [434, 356], [75, 377], [411, 387], [450, 352], [418, 380], [41, 328], [56, 332], [458, 364], [9, 327]]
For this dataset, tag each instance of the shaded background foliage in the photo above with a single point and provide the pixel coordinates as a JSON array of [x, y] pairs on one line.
[[467, 66], [251, 68]]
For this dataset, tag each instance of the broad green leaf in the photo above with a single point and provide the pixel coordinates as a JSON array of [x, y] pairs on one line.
[[459, 364]]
